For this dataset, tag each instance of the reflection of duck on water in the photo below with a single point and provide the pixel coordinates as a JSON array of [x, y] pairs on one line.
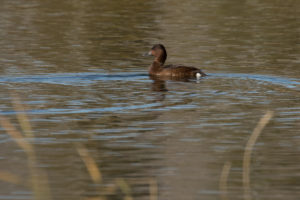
[[159, 85], [158, 68]]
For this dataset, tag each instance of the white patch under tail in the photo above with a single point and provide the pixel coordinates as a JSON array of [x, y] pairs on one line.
[[198, 75]]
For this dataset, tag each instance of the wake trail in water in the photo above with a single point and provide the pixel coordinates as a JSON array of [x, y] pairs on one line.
[[89, 78], [71, 78], [275, 80]]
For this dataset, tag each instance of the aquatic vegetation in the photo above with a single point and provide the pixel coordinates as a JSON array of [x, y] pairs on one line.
[[38, 180]]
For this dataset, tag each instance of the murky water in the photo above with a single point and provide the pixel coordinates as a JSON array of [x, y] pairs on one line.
[[77, 67]]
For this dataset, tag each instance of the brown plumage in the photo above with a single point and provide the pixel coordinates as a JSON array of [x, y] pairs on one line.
[[159, 69]]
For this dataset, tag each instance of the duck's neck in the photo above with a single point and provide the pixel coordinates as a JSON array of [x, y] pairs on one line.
[[161, 58], [155, 67], [158, 63]]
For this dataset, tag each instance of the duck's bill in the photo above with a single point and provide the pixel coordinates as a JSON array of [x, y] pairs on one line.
[[148, 54]]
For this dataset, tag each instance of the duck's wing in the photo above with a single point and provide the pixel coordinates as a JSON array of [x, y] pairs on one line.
[[183, 70], [180, 67]]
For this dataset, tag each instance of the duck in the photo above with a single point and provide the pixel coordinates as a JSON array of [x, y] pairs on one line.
[[159, 69]]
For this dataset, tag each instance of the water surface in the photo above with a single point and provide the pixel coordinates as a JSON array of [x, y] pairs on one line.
[[77, 67]]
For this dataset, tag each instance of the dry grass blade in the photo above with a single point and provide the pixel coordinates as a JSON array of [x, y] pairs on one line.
[[153, 189], [248, 150], [39, 180], [223, 180], [10, 178], [15, 134], [125, 188], [152, 182], [41, 190], [22, 117], [90, 164]]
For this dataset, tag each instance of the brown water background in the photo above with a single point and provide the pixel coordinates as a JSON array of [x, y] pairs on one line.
[[78, 68]]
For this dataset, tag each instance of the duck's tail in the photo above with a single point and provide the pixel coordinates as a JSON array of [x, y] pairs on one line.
[[200, 74]]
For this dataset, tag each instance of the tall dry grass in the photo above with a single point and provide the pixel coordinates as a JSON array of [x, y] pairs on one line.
[[38, 180], [246, 160]]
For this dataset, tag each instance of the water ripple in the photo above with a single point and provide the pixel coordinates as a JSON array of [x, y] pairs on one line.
[[58, 111], [71, 78], [81, 78], [286, 82]]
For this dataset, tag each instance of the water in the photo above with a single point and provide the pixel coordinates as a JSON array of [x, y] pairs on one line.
[[77, 67]]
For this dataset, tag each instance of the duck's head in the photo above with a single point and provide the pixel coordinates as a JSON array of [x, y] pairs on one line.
[[159, 52]]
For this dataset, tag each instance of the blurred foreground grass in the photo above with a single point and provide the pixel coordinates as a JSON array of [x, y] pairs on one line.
[[38, 180]]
